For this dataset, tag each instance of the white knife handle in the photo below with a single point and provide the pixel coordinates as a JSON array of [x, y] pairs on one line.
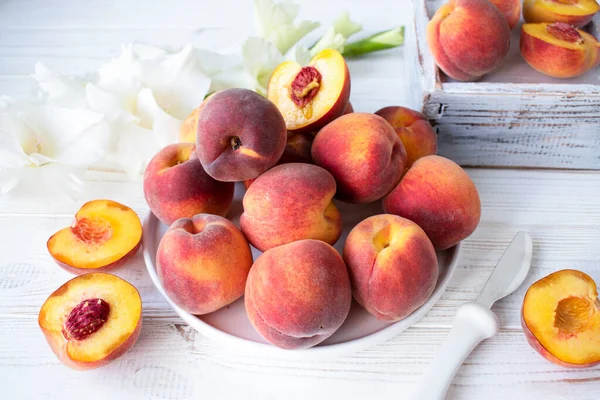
[[473, 324]]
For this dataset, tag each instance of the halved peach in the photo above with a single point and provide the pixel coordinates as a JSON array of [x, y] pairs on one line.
[[573, 12], [91, 320], [104, 235], [189, 128], [312, 96], [558, 49], [561, 319]]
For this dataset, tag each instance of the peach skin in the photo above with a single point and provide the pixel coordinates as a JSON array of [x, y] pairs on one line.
[[105, 235], [393, 266], [240, 135], [291, 202], [511, 9], [468, 38], [298, 294], [414, 131], [189, 128], [439, 196], [363, 153], [91, 320], [203, 263], [572, 12], [561, 319], [176, 186], [558, 49], [312, 96]]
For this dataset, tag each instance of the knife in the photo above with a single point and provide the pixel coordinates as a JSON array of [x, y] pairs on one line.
[[475, 321]]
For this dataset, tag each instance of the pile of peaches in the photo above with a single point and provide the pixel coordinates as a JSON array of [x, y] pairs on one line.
[[470, 38], [300, 152]]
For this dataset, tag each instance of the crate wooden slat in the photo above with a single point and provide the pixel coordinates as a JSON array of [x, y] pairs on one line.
[[513, 117]]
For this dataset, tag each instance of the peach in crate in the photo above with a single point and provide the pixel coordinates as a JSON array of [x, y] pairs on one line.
[[511, 9], [298, 294], [203, 263], [91, 320], [105, 234], [558, 49], [310, 97], [176, 185], [572, 12], [561, 319]]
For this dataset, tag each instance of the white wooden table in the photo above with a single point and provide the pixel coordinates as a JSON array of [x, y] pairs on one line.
[[561, 209]]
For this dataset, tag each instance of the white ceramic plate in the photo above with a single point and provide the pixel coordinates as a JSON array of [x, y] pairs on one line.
[[231, 326]]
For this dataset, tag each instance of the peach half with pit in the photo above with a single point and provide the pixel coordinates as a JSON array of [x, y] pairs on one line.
[[310, 97], [561, 319], [176, 185], [573, 12], [91, 320], [240, 135], [298, 294], [104, 235], [559, 49], [468, 38]]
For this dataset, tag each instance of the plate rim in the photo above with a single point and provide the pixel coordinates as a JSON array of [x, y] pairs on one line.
[[317, 352]]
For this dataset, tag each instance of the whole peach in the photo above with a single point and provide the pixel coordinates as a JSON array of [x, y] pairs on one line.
[[393, 266], [363, 153], [414, 131], [240, 135], [438, 195], [176, 186], [291, 202], [298, 294], [203, 263]]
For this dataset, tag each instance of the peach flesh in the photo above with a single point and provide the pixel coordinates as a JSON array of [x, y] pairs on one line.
[[573, 12], [561, 319]]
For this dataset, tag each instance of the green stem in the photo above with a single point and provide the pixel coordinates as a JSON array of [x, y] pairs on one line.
[[379, 41]]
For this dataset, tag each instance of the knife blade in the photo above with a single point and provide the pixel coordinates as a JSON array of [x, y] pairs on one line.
[[510, 272]]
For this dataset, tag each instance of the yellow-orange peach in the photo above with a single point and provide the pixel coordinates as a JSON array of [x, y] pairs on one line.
[[240, 135], [393, 266], [91, 320], [312, 96], [176, 186], [414, 131], [189, 128], [559, 49], [511, 9], [203, 263], [561, 319], [291, 202], [105, 235], [468, 38], [363, 153], [439, 196], [572, 12], [298, 294]]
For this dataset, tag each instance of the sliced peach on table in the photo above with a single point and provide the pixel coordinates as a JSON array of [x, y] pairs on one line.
[[414, 131], [104, 235], [561, 319], [558, 49], [91, 320], [312, 96], [468, 38], [573, 12]]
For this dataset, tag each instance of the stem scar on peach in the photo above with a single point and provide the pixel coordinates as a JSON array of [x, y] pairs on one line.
[[91, 320], [104, 235]]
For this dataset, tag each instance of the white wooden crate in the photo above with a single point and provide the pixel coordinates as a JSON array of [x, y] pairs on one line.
[[512, 117]]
